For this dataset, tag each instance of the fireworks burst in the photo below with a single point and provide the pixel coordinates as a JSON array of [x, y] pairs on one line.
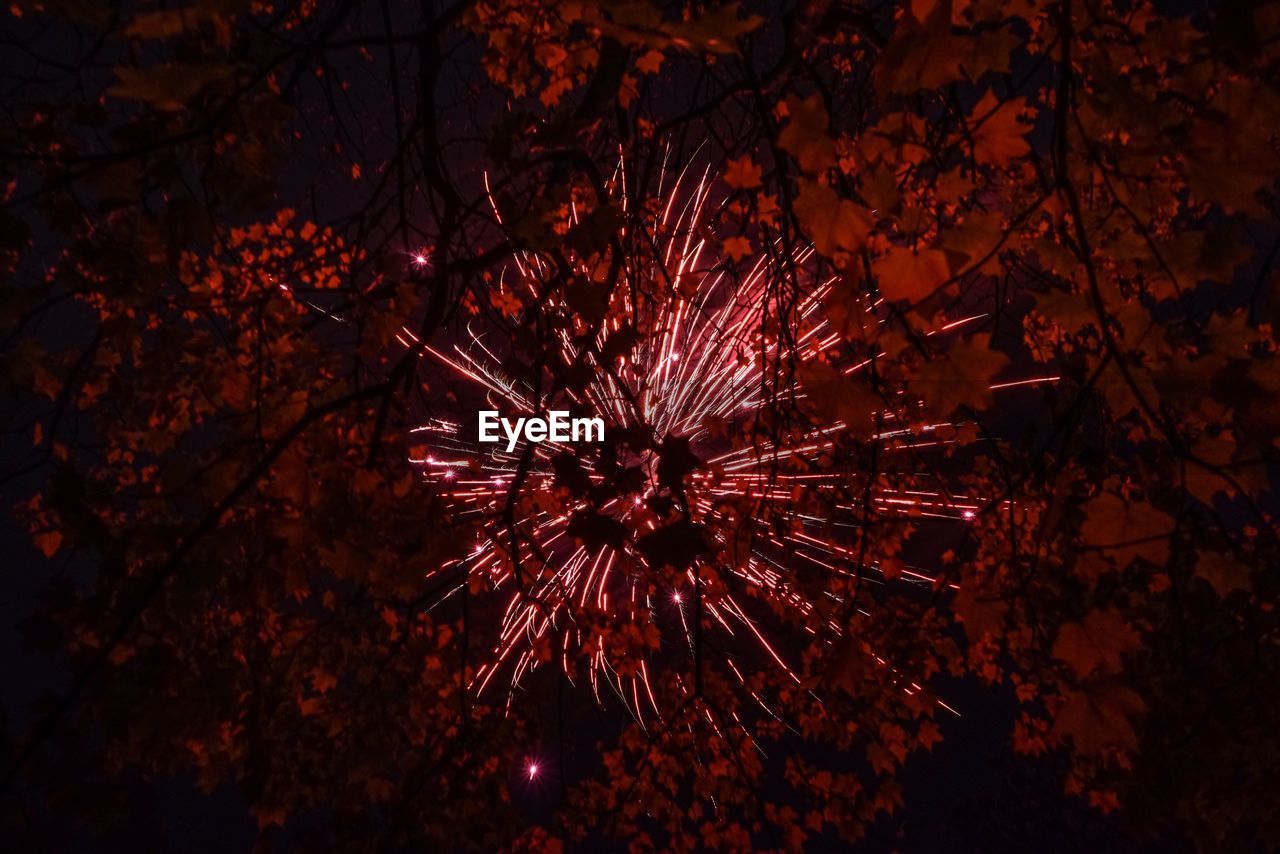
[[572, 539]]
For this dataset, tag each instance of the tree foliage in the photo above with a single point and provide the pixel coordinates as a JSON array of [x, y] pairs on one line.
[[230, 231]]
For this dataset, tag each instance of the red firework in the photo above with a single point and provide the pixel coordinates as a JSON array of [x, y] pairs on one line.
[[693, 393]]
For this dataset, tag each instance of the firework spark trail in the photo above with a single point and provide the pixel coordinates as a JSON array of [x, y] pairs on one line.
[[703, 361]]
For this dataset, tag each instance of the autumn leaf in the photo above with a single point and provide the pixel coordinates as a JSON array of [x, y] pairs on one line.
[[805, 136], [1202, 482], [736, 248], [836, 398], [922, 54], [976, 241], [767, 209], [905, 274], [48, 542], [846, 308], [960, 377], [268, 816], [982, 616], [1072, 312], [999, 136], [588, 299], [505, 301], [1100, 715], [832, 223], [1222, 572], [651, 62], [742, 173], [1126, 531], [619, 344], [1097, 644]]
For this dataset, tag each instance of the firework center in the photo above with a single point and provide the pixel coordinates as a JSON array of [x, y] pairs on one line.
[[556, 427]]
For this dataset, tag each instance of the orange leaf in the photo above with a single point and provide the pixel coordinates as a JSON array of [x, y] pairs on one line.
[[832, 223], [961, 377], [998, 139], [904, 274], [805, 137], [1096, 644], [1222, 573], [737, 248], [48, 542], [981, 615], [836, 397], [1099, 716], [651, 62], [1126, 531], [742, 173]]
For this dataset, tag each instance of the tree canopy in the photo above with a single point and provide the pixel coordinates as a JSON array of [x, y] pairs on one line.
[[1001, 280]]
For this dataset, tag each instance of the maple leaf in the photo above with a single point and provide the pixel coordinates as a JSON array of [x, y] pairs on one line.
[[1072, 312], [1096, 644], [835, 397], [1099, 716], [736, 248], [960, 377], [805, 137], [1223, 573], [905, 274], [1126, 530], [322, 680], [999, 137], [651, 61], [847, 309], [767, 209], [976, 240], [922, 54], [48, 542], [505, 301], [742, 173], [982, 616], [832, 223]]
